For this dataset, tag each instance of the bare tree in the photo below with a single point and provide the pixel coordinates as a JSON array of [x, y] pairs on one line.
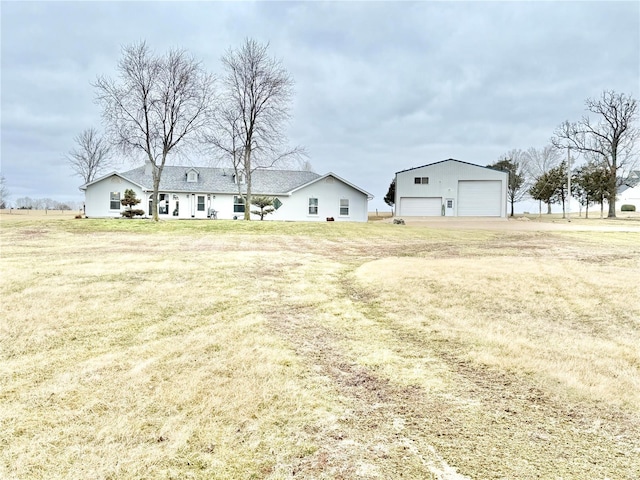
[[611, 137], [515, 163], [250, 124], [307, 166], [157, 105], [91, 155], [4, 192], [226, 140], [540, 162], [26, 203]]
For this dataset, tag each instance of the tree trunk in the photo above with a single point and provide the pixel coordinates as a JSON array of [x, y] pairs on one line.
[[247, 202], [512, 202], [548, 208], [612, 201], [154, 198], [157, 172], [247, 176]]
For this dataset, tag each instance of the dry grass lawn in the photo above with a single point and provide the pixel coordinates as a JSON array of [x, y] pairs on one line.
[[234, 350]]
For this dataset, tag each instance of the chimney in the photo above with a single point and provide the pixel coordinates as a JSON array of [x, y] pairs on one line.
[[148, 167]]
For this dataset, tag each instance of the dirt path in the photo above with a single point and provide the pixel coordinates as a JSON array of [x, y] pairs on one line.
[[629, 223], [490, 425], [384, 419], [494, 425]]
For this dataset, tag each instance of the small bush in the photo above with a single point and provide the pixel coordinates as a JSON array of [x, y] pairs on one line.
[[132, 213], [628, 208]]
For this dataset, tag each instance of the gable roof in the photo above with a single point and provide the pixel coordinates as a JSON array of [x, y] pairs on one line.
[[110, 174], [221, 180], [628, 188], [632, 179], [449, 160], [331, 174]]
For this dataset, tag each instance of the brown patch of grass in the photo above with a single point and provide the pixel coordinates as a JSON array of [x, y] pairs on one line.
[[279, 350]]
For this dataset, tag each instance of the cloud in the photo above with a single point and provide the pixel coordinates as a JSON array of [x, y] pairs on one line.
[[380, 86]]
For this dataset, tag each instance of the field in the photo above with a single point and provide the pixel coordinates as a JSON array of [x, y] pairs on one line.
[[234, 350]]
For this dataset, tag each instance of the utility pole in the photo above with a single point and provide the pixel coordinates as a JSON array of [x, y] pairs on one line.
[[568, 183]]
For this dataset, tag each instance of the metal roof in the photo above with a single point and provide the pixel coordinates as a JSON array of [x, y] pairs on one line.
[[448, 160]]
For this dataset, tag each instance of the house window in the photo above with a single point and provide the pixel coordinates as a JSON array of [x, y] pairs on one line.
[[421, 180], [344, 206], [176, 211], [163, 204], [238, 204], [201, 203], [313, 206], [192, 177], [114, 203], [449, 203]]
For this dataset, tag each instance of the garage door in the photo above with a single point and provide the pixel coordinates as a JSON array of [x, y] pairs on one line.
[[420, 206], [479, 198]]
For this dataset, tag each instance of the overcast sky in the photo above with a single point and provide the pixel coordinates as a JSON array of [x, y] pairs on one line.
[[379, 86]]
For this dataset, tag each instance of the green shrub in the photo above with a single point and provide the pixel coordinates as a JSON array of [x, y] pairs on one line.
[[132, 213], [628, 208]]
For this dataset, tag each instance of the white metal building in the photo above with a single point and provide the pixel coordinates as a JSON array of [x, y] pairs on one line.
[[451, 188]]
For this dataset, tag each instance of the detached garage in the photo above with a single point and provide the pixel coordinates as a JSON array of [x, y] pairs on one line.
[[416, 206], [451, 188], [480, 198]]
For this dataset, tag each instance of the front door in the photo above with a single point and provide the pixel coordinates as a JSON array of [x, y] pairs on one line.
[[448, 210]]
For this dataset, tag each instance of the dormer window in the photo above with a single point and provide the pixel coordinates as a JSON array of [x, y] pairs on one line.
[[192, 176]]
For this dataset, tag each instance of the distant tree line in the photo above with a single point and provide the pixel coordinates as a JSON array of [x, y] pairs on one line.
[[607, 143], [28, 203], [4, 193]]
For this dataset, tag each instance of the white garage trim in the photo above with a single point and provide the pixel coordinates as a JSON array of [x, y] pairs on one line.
[[421, 206], [479, 198]]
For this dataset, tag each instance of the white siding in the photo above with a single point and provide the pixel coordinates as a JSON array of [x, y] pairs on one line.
[[97, 201], [329, 191], [444, 178], [221, 203], [420, 207], [631, 196], [479, 198], [97, 196]]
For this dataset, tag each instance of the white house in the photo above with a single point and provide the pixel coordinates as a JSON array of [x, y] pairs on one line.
[[200, 192], [629, 192], [451, 188]]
